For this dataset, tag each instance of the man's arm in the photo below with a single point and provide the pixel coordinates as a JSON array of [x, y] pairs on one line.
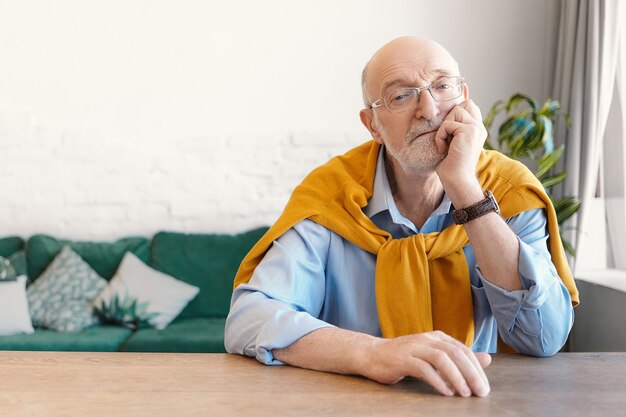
[[536, 319], [438, 359], [494, 243], [498, 249]]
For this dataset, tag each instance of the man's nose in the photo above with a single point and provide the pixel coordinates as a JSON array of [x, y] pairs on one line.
[[426, 107]]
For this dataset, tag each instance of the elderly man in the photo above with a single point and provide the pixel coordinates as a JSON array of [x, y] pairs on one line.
[[411, 254]]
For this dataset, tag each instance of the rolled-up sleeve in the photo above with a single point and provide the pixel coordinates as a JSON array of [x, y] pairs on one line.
[[281, 301], [535, 320]]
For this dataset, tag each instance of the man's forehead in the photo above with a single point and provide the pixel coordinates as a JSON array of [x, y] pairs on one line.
[[410, 60], [411, 74]]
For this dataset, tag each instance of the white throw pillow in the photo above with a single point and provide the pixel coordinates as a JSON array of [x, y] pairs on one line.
[[139, 296], [14, 314]]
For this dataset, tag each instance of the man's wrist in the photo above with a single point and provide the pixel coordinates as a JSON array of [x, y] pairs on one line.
[[366, 356], [464, 193]]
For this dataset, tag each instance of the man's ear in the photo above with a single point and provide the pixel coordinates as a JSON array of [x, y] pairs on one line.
[[367, 118], [465, 92]]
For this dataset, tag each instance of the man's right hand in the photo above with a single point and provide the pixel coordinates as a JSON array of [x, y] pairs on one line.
[[434, 357], [438, 359]]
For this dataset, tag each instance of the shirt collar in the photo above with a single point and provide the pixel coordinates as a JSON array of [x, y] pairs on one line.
[[382, 198]]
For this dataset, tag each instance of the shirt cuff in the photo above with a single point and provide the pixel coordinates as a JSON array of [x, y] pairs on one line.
[[537, 275], [284, 329]]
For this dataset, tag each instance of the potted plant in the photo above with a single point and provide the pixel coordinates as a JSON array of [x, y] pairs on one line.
[[527, 135]]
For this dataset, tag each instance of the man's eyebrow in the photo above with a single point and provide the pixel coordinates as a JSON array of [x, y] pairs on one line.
[[393, 83], [402, 81], [441, 71]]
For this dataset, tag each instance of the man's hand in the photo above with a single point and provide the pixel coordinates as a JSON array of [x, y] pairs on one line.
[[434, 357], [438, 359], [463, 134]]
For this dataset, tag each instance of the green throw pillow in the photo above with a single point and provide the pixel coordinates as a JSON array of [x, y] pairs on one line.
[[103, 257], [61, 298], [10, 245], [18, 261]]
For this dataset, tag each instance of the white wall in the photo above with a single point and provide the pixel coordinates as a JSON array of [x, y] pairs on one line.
[[128, 117]]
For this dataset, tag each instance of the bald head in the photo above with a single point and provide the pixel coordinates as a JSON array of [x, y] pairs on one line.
[[418, 58]]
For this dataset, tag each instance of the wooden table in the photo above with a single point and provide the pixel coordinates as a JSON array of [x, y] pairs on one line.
[[153, 384]]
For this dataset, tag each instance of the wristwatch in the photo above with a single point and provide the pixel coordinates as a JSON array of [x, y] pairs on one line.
[[467, 214]]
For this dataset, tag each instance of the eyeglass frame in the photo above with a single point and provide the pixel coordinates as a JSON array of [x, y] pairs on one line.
[[376, 104]]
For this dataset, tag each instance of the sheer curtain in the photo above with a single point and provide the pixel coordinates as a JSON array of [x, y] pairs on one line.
[[585, 80], [614, 161]]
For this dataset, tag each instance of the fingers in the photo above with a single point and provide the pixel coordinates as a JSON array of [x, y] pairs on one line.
[[472, 109], [458, 366], [459, 113], [424, 371], [438, 359], [484, 359], [473, 357]]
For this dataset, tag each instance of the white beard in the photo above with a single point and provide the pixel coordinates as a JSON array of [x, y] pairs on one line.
[[417, 156]]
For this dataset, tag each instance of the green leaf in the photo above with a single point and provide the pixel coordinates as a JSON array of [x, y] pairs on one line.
[[568, 120], [548, 161], [518, 141], [568, 246], [554, 179], [518, 98], [547, 138], [566, 208], [493, 112], [507, 130], [549, 108]]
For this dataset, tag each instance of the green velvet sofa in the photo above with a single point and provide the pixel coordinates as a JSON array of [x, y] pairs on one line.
[[208, 261]]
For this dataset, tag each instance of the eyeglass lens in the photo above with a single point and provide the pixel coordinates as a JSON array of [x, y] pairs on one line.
[[443, 89]]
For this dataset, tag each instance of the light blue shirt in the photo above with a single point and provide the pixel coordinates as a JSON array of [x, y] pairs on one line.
[[312, 278]]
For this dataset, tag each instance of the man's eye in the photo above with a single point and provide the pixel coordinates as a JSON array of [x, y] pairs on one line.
[[401, 96], [444, 87]]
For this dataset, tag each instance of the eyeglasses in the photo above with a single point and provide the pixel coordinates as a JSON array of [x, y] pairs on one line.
[[402, 99]]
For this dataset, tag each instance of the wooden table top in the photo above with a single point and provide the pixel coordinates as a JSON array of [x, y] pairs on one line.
[[161, 384]]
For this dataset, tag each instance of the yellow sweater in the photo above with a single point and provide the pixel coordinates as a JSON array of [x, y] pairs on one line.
[[422, 281]]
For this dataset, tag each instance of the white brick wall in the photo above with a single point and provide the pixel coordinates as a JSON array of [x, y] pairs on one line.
[[85, 185], [132, 116]]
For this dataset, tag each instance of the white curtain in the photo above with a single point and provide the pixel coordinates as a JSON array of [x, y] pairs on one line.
[[585, 78]]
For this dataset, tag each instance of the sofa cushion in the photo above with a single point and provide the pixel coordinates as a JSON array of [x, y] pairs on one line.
[[103, 257], [93, 339], [14, 314], [208, 261], [18, 262], [61, 298], [183, 335], [10, 245], [139, 296]]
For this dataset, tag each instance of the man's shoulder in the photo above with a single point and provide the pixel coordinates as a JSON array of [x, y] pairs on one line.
[[352, 172], [495, 166]]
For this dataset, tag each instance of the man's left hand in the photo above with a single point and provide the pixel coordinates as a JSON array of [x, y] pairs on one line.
[[463, 134]]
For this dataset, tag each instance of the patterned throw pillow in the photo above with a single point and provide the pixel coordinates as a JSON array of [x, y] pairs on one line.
[[139, 296], [60, 298], [7, 272]]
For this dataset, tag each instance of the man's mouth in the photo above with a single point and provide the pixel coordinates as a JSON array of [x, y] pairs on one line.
[[423, 135]]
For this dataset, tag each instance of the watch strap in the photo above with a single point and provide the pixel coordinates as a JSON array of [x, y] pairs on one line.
[[467, 214]]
